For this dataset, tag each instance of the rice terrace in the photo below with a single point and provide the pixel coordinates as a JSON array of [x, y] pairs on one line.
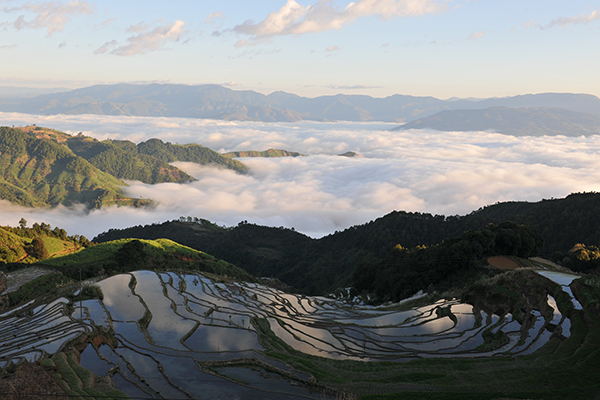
[[525, 333], [299, 199]]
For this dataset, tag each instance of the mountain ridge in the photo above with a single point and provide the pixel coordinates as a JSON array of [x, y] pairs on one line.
[[217, 102], [523, 121]]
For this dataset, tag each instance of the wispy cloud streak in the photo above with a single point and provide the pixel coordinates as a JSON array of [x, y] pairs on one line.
[[51, 15]]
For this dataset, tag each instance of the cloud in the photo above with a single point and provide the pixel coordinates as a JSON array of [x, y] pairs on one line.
[[52, 15], [108, 21], [295, 19], [253, 53], [563, 22], [63, 44], [105, 47], [145, 40], [476, 36], [333, 48], [8, 46], [219, 15], [445, 173]]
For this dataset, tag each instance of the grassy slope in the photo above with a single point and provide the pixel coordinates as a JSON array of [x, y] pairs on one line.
[[13, 247], [40, 172], [156, 254]]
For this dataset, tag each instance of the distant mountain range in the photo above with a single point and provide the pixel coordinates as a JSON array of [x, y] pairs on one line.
[[530, 121], [217, 102]]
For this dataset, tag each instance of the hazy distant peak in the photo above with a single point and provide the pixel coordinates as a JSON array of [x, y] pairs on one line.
[[219, 102]]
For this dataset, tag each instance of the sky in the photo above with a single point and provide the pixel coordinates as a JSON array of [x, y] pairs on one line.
[[440, 48], [445, 173]]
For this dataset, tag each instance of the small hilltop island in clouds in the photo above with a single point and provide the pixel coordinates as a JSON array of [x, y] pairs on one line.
[[299, 199]]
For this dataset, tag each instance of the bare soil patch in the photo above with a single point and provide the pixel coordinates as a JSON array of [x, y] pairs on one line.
[[18, 278], [503, 263]]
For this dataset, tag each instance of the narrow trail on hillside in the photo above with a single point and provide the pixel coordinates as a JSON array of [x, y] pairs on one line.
[[66, 251]]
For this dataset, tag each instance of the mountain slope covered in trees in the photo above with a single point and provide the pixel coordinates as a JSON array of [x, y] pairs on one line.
[[45, 167], [321, 265], [38, 172]]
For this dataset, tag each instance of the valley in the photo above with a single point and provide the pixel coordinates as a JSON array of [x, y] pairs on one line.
[[155, 319]]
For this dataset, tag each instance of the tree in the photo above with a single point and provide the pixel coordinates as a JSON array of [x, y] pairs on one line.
[[23, 223], [38, 249]]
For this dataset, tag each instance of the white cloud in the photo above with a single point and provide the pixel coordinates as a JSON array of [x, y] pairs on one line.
[[51, 15], [145, 40], [108, 21], [105, 47], [295, 19], [564, 22], [213, 17], [417, 170], [476, 36], [333, 48]]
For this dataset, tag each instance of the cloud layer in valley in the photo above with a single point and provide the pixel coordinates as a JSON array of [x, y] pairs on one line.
[[426, 171]]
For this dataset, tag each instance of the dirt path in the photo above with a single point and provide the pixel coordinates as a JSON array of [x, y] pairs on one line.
[[66, 251], [22, 258]]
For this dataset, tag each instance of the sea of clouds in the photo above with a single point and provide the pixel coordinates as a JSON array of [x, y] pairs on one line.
[[445, 173]]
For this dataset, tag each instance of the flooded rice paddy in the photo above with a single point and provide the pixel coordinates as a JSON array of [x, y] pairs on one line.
[[186, 336]]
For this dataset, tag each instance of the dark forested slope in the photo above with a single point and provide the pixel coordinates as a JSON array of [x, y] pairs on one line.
[[319, 265]]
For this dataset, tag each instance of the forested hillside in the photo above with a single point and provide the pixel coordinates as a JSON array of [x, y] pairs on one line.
[[452, 263], [321, 265], [38, 172], [147, 162], [168, 152], [44, 167], [121, 159]]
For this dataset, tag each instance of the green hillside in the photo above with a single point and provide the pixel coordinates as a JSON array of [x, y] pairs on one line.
[[120, 158], [37, 172], [18, 244], [271, 153], [168, 152], [126, 255]]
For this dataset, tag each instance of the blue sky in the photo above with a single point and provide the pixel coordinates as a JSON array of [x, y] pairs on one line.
[[440, 48]]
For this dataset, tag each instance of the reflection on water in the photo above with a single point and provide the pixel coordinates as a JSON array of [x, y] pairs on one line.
[[564, 280], [169, 325], [119, 300]]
